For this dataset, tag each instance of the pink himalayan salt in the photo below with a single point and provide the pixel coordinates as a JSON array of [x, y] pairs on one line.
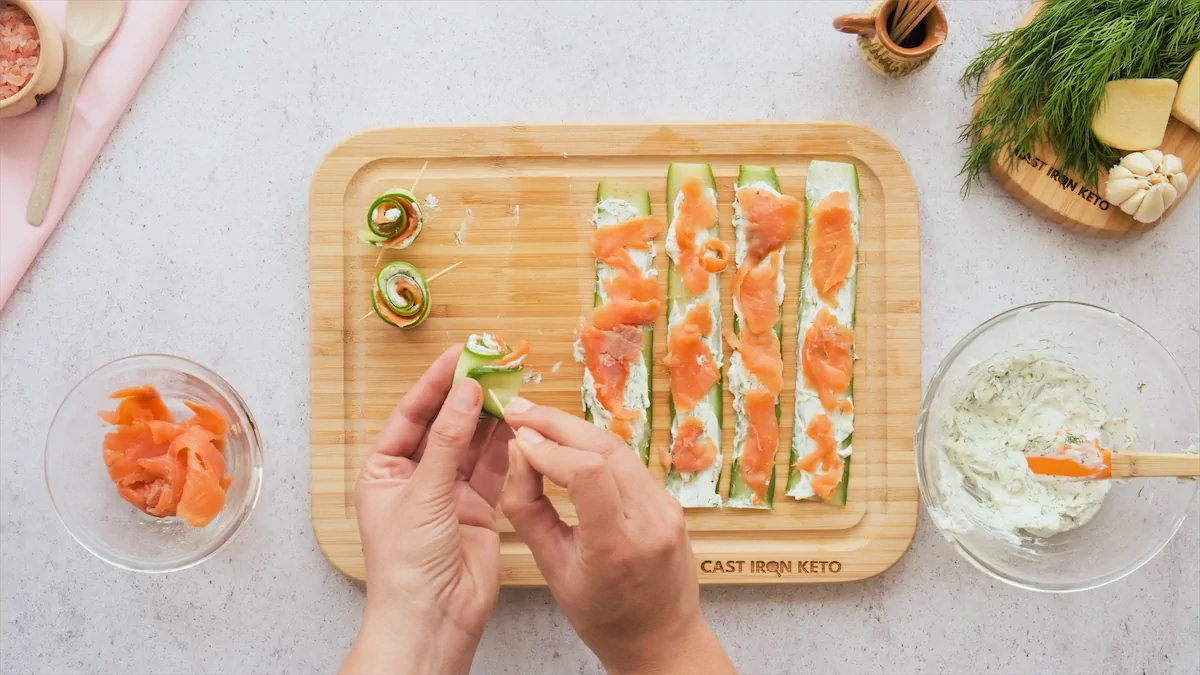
[[19, 49]]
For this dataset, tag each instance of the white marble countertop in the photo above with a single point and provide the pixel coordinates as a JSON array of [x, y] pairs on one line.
[[190, 236]]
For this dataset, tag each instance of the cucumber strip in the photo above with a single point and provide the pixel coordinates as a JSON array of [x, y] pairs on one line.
[[394, 220], [617, 203], [699, 489], [823, 179], [740, 493], [500, 384], [400, 295]]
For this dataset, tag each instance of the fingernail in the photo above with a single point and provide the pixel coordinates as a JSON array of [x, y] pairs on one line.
[[518, 405], [464, 396], [528, 437]]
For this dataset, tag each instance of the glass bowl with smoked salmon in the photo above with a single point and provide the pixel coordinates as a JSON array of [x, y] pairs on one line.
[[153, 463]]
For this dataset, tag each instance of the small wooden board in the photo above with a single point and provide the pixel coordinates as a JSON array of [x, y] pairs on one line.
[[522, 197], [1037, 182]]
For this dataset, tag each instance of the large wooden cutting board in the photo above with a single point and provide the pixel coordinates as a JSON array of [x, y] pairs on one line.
[[521, 197]]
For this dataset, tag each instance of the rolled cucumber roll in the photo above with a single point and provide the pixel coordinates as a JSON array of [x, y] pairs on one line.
[[498, 368], [394, 220], [401, 295]]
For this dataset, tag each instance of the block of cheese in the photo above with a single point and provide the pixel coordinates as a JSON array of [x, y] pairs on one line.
[[1135, 113], [1187, 100]]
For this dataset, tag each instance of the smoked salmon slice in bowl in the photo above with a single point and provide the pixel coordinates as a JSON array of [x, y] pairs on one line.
[[153, 463]]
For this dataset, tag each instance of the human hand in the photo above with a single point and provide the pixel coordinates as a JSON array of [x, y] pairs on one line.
[[625, 575], [426, 511]]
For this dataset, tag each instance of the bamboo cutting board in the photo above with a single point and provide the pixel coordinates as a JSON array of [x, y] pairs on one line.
[[1035, 180], [514, 205]]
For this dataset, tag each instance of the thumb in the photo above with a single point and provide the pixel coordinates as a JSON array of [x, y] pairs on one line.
[[532, 516], [448, 442]]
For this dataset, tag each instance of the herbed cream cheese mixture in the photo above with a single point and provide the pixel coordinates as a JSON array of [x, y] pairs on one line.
[[1006, 407]]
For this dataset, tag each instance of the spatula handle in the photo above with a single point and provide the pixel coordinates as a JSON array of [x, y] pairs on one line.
[[1152, 464], [43, 185]]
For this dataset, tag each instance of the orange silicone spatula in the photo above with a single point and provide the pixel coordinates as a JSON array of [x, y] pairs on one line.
[[1095, 462]]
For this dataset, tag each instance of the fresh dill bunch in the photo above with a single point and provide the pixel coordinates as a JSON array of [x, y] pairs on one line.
[[1053, 75]]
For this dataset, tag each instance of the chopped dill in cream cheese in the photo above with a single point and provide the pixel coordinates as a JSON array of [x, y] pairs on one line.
[[1005, 408]]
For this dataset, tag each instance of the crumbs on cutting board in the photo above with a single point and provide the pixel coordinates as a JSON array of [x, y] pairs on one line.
[[516, 213], [431, 201], [460, 237], [554, 368], [532, 377]]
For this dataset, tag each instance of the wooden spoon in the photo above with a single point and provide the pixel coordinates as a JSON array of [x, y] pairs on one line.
[[1089, 460], [90, 25]]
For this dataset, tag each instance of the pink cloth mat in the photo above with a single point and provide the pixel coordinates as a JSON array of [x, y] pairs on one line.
[[103, 98]]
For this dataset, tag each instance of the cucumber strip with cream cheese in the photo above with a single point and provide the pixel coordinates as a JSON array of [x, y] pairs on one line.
[[394, 220], [740, 493], [616, 203], [824, 178], [698, 489]]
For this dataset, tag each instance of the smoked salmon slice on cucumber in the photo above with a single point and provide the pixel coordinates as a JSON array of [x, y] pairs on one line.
[[822, 438], [763, 221], [694, 348], [616, 343]]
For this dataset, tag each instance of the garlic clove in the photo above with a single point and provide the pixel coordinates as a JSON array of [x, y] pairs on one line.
[[1169, 193], [1178, 181], [1118, 172], [1131, 204], [1171, 164], [1119, 190], [1155, 157], [1151, 208], [1138, 164]]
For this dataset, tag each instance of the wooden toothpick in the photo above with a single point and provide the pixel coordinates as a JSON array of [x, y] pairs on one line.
[[413, 190], [496, 400], [432, 278], [897, 13], [915, 18]]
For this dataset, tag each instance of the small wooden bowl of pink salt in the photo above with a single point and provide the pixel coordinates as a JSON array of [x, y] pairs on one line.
[[31, 56]]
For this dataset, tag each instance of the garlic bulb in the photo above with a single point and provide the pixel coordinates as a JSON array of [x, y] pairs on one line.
[[1145, 184]]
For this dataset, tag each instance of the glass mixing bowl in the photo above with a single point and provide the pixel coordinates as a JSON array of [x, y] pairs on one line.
[[1140, 381], [86, 500]]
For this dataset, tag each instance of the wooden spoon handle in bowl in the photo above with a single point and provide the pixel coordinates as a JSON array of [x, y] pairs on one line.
[[1154, 464], [39, 199]]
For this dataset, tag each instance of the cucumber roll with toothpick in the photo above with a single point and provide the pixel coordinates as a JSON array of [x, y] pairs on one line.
[[498, 368]]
